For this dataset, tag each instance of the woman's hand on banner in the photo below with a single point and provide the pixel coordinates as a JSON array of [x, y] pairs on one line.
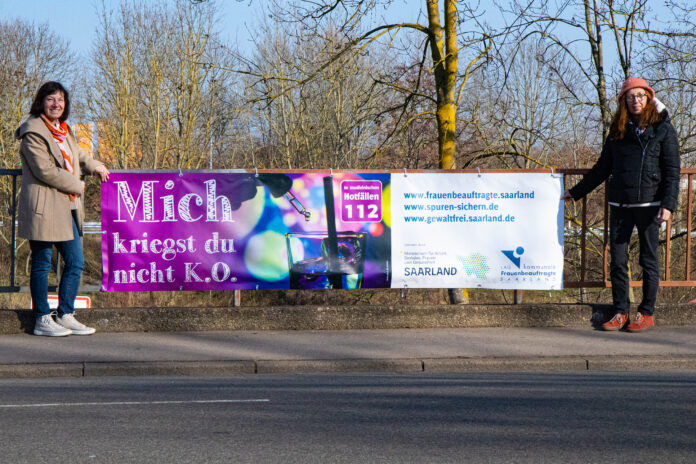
[[102, 172], [566, 196]]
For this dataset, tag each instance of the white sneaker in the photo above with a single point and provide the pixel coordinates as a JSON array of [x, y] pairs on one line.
[[77, 328], [46, 326]]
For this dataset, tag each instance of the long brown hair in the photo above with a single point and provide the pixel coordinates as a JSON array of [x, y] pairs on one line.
[[647, 117]]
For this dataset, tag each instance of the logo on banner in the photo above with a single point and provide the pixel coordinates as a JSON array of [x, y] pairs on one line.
[[475, 264], [529, 271], [515, 256]]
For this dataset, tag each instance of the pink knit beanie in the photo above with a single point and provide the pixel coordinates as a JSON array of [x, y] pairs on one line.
[[636, 82]]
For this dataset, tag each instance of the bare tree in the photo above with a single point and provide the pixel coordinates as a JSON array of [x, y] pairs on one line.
[[441, 42], [157, 101], [580, 30], [112, 101], [29, 55], [327, 121]]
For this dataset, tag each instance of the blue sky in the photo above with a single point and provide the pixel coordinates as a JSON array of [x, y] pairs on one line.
[[76, 20]]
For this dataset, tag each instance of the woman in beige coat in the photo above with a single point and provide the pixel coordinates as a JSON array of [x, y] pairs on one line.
[[50, 206]]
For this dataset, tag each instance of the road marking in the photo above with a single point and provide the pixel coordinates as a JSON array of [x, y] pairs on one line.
[[129, 403]]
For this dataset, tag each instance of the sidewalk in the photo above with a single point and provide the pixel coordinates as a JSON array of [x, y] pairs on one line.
[[376, 350]]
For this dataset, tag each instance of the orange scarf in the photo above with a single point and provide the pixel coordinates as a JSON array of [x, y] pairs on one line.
[[59, 134]]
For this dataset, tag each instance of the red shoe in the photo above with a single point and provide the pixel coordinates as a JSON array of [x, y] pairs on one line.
[[641, 323], [618, 322]]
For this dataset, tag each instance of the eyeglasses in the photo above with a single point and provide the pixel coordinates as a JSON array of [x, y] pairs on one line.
[[637, 97]]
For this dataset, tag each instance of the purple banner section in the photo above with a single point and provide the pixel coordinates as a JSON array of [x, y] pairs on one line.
[[236, 230]]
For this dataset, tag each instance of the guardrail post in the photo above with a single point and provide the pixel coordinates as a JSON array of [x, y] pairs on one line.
[[689, 200], [13, 254], [236, 298]]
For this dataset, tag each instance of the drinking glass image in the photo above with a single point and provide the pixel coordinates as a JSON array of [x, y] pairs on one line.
[[311, 265]]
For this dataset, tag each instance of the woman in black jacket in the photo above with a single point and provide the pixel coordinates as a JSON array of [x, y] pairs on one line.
[[641, 160]]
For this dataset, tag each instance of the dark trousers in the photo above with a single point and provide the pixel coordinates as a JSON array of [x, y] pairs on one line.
[[621, 223]]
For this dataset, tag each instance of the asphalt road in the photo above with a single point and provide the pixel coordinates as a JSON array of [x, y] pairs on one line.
[[481, 418]]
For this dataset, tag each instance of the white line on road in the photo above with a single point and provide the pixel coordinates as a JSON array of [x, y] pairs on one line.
[[129, 403]]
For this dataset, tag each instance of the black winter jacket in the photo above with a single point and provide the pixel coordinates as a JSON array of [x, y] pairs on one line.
[[640, 169]]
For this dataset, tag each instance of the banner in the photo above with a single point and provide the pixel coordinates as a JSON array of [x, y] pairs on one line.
[[477, 231], [228, 230], [236, 230]]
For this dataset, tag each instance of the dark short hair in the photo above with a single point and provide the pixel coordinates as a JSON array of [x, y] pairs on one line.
[[46, 89]]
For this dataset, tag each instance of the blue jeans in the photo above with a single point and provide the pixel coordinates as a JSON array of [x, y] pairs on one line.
[[41, 252]]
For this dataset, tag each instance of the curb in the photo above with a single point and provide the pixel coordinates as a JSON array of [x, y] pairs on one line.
[[286, 366], [327, 366]]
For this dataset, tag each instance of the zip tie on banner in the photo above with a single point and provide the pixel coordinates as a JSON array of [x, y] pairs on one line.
[[330, 172], [404, 172], [256, 171], [479, 171], [181, 174]]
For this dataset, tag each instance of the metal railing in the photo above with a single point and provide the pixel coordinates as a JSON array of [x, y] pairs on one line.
[[666, 280], [89, 228], [14, 173], [581, 282]]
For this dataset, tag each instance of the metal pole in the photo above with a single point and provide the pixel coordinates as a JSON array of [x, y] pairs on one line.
[[236, 298], [689, 201], [14, 231]]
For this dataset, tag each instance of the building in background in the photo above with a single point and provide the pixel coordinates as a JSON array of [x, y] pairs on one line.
[[83, 134]]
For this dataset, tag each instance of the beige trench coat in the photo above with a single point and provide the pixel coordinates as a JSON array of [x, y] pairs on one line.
[[44, 204]]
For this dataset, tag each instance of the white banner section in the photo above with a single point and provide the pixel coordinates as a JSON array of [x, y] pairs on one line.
[[477, 231]]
